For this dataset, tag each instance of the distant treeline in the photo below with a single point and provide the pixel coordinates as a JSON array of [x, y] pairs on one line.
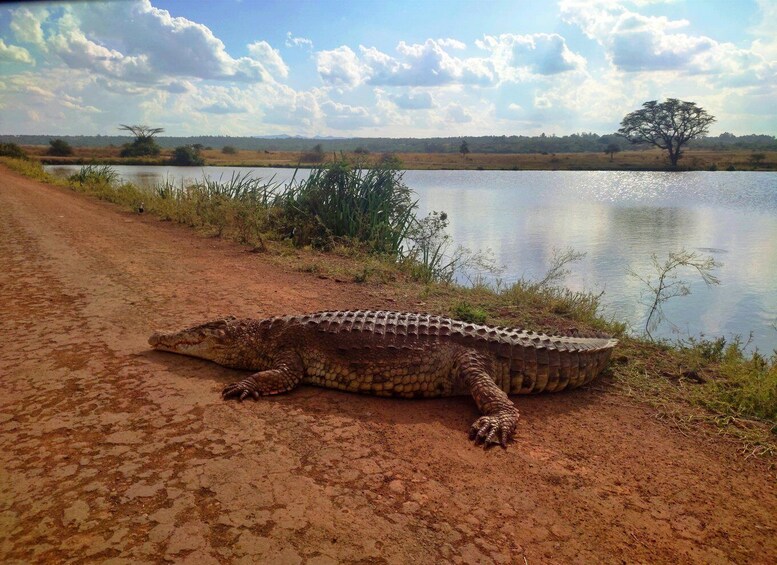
[[575, 143]]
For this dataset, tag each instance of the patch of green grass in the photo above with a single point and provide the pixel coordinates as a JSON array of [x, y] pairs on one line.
[[732, 382], [468, 313], [31, 169]]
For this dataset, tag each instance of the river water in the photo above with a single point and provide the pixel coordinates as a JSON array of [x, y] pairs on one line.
[[619, 219]]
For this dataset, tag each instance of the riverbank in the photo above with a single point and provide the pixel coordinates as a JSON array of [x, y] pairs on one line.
[[643, 160], [141, 459], [728, 388]]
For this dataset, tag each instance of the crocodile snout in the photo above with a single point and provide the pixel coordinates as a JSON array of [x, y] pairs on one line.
[[155, 339]]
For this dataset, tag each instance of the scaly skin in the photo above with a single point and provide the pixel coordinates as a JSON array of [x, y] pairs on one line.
[[401, 354]]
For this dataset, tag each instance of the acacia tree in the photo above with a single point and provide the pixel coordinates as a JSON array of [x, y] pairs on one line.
[[464, 148], [668, 125], [144, 143]]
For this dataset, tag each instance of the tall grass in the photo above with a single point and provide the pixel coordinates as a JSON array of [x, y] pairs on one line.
[[336, 205], [95, 174], [372, 207]]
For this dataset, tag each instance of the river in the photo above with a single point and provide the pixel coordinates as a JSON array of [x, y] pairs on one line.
[[619, 219]]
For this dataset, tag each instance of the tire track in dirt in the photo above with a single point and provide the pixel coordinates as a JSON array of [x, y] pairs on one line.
[[108, 450]]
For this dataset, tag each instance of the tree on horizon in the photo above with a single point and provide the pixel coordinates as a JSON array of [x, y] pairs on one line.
[[668, 125], [144, 143]]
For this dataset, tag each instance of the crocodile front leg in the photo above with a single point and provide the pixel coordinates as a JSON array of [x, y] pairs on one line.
[[286, 375], [500, 416]]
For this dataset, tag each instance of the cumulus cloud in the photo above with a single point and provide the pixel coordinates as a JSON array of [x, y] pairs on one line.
[[339, 67], [457, 114], [450, 43], [223, 107], [534, 54], [61, 98], [418, 64], [346, 117], [426, 64], [292, 41], [15, 54], [270, 58], [285, 106], [637, 43], [135, 41], [412, 100], [26, 25]]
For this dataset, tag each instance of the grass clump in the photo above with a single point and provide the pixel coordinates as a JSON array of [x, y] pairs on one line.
[[468, 313], [338, 202], [732, 382], [95, 174]]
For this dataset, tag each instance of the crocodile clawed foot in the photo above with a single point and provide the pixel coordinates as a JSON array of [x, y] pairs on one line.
[[493, 430], [241, 390]]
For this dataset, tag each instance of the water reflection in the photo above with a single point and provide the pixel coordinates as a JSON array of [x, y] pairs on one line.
[[619, 219]]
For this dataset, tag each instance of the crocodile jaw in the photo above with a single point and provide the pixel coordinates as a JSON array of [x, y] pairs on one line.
[[206, 341]]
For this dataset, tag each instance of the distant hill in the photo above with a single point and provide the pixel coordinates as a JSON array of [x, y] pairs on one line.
[[575, 143]]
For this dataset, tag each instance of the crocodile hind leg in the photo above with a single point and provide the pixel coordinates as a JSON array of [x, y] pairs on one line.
[[286, 375], [500, 416]]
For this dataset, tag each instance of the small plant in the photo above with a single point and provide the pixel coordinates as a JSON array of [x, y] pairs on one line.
[[229, 150], [59, 148], [467, 313], [557, 269], [666, 284]]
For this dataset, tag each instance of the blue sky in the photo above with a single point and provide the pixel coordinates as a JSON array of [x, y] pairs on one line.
[[375, 68]]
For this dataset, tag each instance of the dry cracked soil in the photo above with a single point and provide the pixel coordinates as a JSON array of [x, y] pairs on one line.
[[110, 452]]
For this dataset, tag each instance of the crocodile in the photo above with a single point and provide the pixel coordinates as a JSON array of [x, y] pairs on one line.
[[399, 354]]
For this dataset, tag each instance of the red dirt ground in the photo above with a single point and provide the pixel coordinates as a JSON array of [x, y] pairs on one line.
[[111, 451]]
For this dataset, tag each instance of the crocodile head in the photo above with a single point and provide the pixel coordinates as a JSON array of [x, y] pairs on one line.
[[213, 340]]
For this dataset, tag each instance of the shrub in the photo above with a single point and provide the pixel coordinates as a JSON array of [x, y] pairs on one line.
[[144, 147], [229, 150], [59, 148], [12, 150], [187, 156]]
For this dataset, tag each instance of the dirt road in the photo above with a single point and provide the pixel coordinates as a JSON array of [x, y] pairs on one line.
[[109, 450]]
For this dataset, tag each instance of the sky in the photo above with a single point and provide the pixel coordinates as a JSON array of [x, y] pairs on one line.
[[377, 68]]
